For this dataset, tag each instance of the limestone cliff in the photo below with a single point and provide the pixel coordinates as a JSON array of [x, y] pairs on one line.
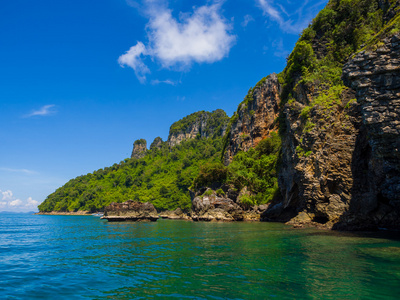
[[315, 178], [157, 143], [255, 117], [340, 156], [139, 149], [375, 76], [200, 124]]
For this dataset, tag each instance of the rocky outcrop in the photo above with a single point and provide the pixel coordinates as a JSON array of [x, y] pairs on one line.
[[130, 211], [212, 207], [157, 143], [375, 76], [177, 214], [200, 124], [255, 117], [139, 149]]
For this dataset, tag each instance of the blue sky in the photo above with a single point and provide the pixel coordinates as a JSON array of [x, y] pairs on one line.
[[81, 80]]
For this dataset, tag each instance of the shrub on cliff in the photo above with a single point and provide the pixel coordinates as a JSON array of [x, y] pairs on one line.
[[257, 170], [211, 174]]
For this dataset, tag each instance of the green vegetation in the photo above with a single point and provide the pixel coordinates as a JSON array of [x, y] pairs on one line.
[[337, 32], [314, 67], [256, 170], [214, 122], [161, 177], [301, 152], [140, 142]]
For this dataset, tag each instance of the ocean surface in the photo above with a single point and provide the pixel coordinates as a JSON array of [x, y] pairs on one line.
[[83, 257]]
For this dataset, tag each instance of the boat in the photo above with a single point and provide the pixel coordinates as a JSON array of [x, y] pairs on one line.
[[97, 214]]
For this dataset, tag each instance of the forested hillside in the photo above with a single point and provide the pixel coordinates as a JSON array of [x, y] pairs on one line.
[[160, 175]]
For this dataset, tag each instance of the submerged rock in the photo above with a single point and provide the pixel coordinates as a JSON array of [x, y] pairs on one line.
[[130, 211]]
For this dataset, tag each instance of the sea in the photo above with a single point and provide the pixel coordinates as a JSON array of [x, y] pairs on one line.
[[84, 257]]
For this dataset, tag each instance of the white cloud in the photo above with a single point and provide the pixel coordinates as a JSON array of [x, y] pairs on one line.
[[269, 10], [132, 58], [18, 170], [45, 110], [167, 81], [290, 21], [15, 202], [31, 202], [6, 195], [11, 203], [246, 20], [200, 37]]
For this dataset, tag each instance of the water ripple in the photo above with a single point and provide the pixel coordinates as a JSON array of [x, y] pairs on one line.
[[82, 257]]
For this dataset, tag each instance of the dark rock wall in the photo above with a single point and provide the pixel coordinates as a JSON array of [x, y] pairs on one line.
[[341, 164], [375, 76], [317, 152]]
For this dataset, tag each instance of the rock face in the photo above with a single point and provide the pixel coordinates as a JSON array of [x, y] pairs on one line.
[[315, 178], [255, 118], [177, 214], [200, 124], [375, 76], [341, 164], [210, 207], [157, 143], [130, 211], [139, 149]]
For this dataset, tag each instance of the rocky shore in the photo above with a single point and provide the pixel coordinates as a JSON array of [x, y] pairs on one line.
[[130, 211], [68, 213], [209, 206], [177, 214]]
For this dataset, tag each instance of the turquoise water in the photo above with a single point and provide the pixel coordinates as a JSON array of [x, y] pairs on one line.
[[72, 257]]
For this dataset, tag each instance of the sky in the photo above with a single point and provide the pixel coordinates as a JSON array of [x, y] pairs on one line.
[[80, 81]]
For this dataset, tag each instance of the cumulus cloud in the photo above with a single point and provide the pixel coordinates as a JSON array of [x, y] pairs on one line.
[[6, 195], [201, 37], [45, 110], [11, 203], [31, 202], [290, 21], [16, 202], [132, 58]]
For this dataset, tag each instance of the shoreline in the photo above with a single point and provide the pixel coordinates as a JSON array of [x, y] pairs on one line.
[[56, 213], [297, 226]]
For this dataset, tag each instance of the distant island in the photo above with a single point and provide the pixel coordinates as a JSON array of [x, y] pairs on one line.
[[13, 212], [315, 145]]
